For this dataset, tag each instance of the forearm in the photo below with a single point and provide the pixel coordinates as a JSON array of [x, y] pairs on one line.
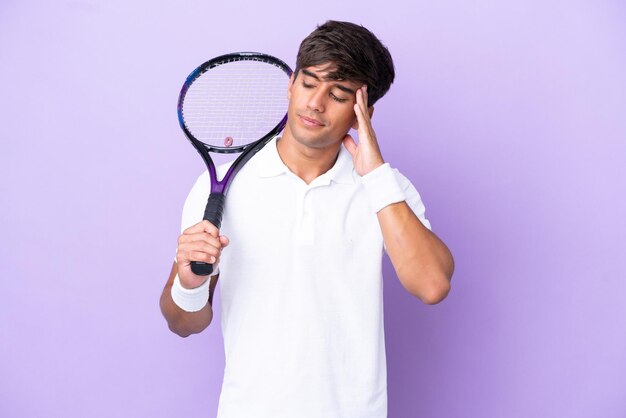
[[184, 323], [421, 260], [179, 321]]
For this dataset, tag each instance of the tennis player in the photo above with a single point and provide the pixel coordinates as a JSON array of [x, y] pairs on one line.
[[299, 255]]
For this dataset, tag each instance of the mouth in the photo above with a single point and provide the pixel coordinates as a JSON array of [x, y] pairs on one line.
[[310, 121]]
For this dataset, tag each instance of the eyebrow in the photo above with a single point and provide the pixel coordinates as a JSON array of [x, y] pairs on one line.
[[339, 86]]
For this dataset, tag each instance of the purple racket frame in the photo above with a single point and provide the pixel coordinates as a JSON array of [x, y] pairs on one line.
[[215, 204]]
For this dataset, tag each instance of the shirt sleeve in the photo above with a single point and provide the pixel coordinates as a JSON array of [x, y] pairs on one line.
[[193, 209]]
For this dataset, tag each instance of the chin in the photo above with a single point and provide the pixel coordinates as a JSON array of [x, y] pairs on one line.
[[311, 138], [314, 142]]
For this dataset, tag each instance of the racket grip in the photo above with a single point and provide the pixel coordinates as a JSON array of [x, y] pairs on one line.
[[212, 213]]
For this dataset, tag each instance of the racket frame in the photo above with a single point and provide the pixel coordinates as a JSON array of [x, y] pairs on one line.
[[215, 203]]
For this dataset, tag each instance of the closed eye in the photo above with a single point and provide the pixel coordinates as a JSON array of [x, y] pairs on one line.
[[338, 99], [332, 95]]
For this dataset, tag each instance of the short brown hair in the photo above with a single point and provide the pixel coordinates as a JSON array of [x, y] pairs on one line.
[[356, 53]]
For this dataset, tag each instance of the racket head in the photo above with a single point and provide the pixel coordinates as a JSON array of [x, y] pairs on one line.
[[235, 100]]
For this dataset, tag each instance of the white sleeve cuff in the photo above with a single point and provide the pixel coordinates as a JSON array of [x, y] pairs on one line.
[[382, 187], [190, 300]]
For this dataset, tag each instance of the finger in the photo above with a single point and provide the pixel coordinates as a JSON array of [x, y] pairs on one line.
[[190, 256], [364, 127], [200, 236], [190, 252], [362, 102], [224, 241], [365, 95], [184, 258], [350, 144], [363, 116], [361, 97], [359, 115], [199, 246], [205, 226]]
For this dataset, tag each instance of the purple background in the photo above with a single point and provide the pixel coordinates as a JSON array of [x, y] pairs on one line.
[[509, 117]]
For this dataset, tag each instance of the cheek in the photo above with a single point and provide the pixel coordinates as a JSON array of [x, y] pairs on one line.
[[347, 120], [295, 102], [293, 106]]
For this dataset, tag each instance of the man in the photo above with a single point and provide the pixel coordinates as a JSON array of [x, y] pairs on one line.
[[300, 249]]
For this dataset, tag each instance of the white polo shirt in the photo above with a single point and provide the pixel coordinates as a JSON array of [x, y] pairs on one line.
[[301, 291]]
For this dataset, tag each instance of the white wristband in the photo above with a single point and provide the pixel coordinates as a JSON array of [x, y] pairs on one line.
[[190, 300], [382, 187]]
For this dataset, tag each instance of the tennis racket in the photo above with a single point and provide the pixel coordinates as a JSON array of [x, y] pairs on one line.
[[234, 103]]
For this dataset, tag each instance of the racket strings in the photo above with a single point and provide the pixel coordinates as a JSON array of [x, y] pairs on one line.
[[235, 103]]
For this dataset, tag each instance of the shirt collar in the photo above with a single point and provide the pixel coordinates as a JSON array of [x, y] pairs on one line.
[[269, 164]]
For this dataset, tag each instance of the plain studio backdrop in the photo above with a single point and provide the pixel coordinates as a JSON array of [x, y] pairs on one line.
[[508, 117]]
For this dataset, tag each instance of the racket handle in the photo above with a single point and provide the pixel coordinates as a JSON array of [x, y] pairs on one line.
[[212, 213]]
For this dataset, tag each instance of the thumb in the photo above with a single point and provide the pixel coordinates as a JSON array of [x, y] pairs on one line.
[[350, 144], [224, 240]]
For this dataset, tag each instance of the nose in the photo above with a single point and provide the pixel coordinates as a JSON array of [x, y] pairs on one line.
[[316, 100]]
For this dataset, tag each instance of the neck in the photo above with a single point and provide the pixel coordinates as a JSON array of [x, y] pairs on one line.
[[306, 162]]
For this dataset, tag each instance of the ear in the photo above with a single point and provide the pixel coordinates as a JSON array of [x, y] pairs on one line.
[[355, 125], [291, 80]]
